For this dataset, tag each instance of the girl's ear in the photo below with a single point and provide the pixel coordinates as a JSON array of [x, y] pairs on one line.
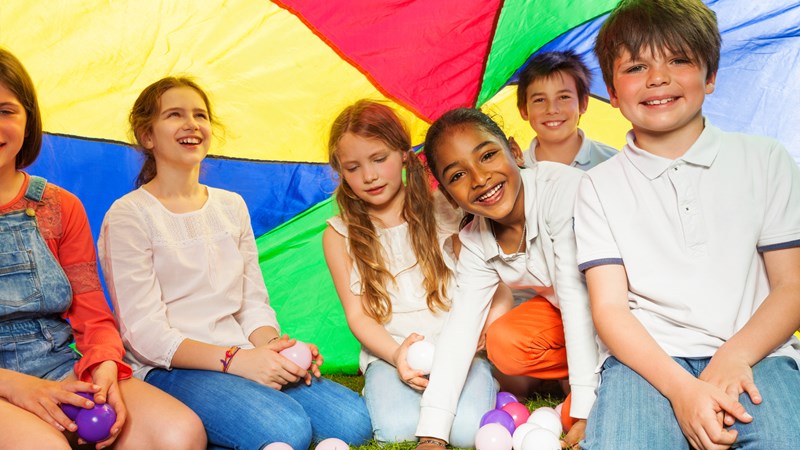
[[146, 138]]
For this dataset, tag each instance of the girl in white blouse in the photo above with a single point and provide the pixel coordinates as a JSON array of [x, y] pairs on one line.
[[385, 254], [181, 265]]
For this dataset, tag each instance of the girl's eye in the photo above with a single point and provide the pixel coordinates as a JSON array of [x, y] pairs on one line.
[[202, 116], [173, 114], [488, 155], [455, 177], [351, 169], [381, 159]]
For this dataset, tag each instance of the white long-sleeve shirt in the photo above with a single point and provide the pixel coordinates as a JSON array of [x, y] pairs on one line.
[[549, 267], [177, 276]]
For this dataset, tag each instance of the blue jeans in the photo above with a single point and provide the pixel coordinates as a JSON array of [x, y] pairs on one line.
[[394, 407], [631, 414], [242, 414]]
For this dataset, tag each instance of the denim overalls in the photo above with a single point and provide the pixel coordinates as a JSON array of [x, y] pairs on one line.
[[34, 291]]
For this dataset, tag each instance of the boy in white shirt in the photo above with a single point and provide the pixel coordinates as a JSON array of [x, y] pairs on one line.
[[552, 95], [690, 242]]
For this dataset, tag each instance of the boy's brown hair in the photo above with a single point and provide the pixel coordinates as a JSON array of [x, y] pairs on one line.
[[681, 27], [546, 65]]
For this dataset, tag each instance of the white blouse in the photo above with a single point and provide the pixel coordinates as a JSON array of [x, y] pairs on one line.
[[410, 312], [176, 276]]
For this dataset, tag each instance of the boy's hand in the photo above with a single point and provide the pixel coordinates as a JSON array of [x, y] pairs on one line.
[[415, 379], [732, 375], [699, 408]]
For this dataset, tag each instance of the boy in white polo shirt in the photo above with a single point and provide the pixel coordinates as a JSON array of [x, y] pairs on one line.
[[690, 242], [552, 95]]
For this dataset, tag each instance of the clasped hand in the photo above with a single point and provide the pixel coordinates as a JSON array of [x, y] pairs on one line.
[[705, 406], [265, 365]]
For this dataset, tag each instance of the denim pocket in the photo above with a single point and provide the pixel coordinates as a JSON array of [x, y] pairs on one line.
[[18, 278]]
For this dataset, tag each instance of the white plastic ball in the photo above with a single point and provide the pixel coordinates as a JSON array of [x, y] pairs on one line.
[[520, 433], [420, 356], [548, 419], [541, 439]]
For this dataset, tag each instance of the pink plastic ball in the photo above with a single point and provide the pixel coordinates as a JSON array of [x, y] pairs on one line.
[[299, 354], [518, 412], [493, 436], [278, 446], [332, 444]]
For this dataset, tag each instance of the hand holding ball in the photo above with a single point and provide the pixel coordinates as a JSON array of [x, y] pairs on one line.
[[420, 356], [94, 424], [71, 410], [299, 354]]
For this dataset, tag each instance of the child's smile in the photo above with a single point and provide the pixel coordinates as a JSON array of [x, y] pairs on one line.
[[479, 173], [662, 96]]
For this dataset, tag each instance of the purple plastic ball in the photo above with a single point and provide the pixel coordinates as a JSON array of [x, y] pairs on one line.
[[504, 398], [71, 410], [94, 425], [500, 417]]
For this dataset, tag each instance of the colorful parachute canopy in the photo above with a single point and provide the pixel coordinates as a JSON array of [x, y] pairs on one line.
[[278, 72]]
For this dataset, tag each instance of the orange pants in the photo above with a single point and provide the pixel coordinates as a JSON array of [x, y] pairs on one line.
[[529, 340]]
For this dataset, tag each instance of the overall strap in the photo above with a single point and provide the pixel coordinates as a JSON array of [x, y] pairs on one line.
[[35, 189]]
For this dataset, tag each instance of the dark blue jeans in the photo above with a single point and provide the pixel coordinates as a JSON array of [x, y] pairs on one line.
[[242, 414]]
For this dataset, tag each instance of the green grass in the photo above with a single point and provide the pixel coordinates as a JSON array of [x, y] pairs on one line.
[[356, 383]]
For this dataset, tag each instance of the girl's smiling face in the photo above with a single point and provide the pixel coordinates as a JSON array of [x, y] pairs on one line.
[[181, 133], [477, 171], [13, 120]]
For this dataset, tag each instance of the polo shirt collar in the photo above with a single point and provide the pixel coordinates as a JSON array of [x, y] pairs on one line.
[[490, 247], [701, 153], [582, 158]]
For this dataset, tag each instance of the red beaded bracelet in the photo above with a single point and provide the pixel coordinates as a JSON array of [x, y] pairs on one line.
[[229, 354]]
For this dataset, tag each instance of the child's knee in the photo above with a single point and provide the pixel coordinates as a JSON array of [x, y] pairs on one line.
[[400, 429]]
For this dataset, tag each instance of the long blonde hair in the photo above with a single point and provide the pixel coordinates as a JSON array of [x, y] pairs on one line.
[[372, 120]]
